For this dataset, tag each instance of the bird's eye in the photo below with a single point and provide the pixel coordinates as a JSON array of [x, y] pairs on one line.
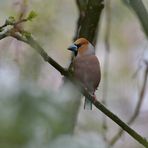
[[78, 45]]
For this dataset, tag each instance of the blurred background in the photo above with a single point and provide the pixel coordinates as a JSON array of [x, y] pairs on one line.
[[37, 110]]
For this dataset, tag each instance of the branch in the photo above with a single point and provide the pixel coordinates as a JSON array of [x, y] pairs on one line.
[[26, 37], [2, 36], [29, 40], [141, 12], [124, 126], [137, 109], [82, 5], [12, 22], [141, 97], [87, 25]]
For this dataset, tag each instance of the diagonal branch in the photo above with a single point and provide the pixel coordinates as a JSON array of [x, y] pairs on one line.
[[137, 109], [2, 36], [29, 40]]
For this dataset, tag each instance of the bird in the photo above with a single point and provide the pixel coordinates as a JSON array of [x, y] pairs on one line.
[[86, 67]]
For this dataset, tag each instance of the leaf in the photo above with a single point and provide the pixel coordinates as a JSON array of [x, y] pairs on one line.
[[26, 34], [10, 20], [31, 15]]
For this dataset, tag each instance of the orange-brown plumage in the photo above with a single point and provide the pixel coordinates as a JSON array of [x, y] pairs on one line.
[[86, 66], [81, 41], [84, 43]]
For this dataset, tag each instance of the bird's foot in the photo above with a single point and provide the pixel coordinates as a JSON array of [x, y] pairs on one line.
[[94, 97]]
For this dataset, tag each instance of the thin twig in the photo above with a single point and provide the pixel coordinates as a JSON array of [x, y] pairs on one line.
[[21, 17], [115, 118], [137, 109], [2, 36], [3, 26], [23, 5], [20, 21], [14, 24]]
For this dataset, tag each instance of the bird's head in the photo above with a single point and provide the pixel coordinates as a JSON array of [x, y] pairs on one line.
[[82, 47]]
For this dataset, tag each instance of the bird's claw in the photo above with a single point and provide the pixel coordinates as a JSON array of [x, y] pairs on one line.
[[94, 98]]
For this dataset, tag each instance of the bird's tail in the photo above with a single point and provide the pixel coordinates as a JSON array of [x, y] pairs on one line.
[[87, 104]]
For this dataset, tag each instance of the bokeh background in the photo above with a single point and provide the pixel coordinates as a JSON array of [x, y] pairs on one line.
[[35, 109]]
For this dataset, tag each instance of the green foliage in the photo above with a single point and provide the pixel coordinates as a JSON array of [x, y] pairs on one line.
[[26, 34], [32, 15], [10, 20]]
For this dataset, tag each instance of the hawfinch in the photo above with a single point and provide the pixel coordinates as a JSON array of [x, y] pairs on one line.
[[86, 67]]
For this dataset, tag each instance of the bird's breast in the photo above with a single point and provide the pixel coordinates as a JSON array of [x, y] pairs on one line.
[[87, 71]]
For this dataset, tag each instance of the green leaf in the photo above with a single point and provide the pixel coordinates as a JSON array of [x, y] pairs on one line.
[[31, 15], [26, 34], [10, 20]]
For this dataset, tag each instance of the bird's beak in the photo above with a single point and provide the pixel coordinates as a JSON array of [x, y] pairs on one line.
[[73, 48]]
